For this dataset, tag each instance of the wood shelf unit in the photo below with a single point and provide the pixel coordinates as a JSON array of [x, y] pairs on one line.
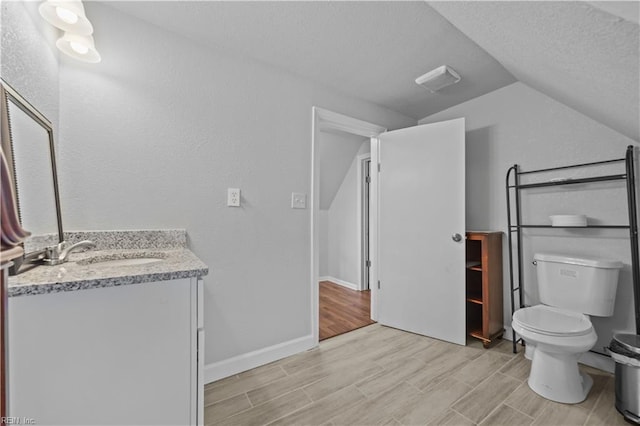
[[484, 286]]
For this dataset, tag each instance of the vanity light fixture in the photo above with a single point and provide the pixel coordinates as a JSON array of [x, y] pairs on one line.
[[438, 78], [68, 15], [80, 47]]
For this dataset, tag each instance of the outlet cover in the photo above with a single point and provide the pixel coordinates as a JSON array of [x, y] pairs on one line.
[[298, 200], [233, 197]]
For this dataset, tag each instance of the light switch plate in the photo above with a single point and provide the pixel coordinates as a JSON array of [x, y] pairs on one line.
[[298, 200], [233, 197]]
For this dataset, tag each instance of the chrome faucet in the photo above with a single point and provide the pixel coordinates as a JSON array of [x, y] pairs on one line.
[[57, 254]]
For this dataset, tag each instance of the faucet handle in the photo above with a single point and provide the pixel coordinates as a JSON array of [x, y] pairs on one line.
[[52, 253]]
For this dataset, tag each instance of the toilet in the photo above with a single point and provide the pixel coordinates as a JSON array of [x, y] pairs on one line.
[[557, 331]]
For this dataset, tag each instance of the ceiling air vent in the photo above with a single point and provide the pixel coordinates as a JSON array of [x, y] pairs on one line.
[[439, 78]]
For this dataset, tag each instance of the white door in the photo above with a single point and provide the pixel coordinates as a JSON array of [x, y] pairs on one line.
[[421, 210]]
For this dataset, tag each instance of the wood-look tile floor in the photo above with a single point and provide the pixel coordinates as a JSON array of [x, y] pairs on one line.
[[379, 375], [342, 310]]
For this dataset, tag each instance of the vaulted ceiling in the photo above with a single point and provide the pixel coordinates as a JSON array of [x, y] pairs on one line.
[[370, 50], [583, 54], [575, 52]]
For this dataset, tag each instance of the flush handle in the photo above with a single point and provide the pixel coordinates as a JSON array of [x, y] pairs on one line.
[[456, 237]]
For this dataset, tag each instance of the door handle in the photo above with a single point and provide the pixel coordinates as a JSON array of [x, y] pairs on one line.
[[456, 237]]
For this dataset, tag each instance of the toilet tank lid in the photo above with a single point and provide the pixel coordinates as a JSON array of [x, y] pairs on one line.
[[594, 263]]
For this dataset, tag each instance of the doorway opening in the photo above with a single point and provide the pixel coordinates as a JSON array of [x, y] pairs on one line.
[[345, 297], [342, 204], [413, 253]]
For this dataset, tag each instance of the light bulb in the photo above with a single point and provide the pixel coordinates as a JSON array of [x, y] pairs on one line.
[[66, 15], [79, 47]]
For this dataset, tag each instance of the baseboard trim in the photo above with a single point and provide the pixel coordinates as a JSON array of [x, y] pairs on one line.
[[238, 364], [508, 333], [595, 360], [338, 281]]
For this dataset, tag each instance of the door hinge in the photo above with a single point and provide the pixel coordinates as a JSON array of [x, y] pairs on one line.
[[378, 167], [368, 264], [378, 284], [368, 179]]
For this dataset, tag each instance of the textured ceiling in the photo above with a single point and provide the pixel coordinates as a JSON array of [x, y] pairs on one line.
[[575, 52], [583, 54], [369, 50]]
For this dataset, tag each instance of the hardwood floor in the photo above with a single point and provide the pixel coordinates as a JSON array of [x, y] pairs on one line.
[[342, 309], [380, 375]]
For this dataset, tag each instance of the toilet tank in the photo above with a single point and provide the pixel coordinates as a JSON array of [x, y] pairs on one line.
[[580, 285]]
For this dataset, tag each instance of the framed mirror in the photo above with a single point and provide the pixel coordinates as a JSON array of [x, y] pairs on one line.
[[30, 153]]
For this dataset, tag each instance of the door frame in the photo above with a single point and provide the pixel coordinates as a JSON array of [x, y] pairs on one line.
[[325, 120], [362, 202]]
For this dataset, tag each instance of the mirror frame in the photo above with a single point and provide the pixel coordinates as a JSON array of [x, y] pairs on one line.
[[9, 94]]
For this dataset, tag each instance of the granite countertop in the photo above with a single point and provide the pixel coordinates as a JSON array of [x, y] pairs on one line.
[[83, 270]]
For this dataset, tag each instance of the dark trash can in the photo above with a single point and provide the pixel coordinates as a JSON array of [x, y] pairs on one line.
[[625, 350]]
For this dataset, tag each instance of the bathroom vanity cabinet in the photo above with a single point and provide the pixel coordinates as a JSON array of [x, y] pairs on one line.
[[484, 286], [125, 354]]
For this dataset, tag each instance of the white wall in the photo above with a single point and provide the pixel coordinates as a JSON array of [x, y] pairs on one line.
[[517, 124], [154, 135], [29, 58], [344, 226]]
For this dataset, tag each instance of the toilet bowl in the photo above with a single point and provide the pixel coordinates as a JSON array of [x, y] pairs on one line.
[[555, 339], [557, 331]]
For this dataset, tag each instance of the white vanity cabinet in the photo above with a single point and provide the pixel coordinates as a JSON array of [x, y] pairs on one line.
[[115, 355]]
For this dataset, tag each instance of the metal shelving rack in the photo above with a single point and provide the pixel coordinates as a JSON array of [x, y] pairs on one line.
[[513, 188]]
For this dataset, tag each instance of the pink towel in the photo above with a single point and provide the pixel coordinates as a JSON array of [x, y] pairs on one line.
[[12, 232]]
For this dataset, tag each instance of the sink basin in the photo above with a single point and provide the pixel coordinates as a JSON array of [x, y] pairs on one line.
[[127, 262], [123, 259]]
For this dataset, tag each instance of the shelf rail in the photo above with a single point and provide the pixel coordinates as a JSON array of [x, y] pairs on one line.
[[515, 225]]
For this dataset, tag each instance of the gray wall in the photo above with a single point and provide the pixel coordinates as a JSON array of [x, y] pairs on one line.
[[336, 152], [344, 226], [156, 133]]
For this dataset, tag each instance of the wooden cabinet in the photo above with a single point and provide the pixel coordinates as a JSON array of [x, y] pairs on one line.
[[484, 286]]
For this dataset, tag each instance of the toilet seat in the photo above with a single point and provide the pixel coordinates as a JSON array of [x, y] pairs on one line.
[[550, 321]]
